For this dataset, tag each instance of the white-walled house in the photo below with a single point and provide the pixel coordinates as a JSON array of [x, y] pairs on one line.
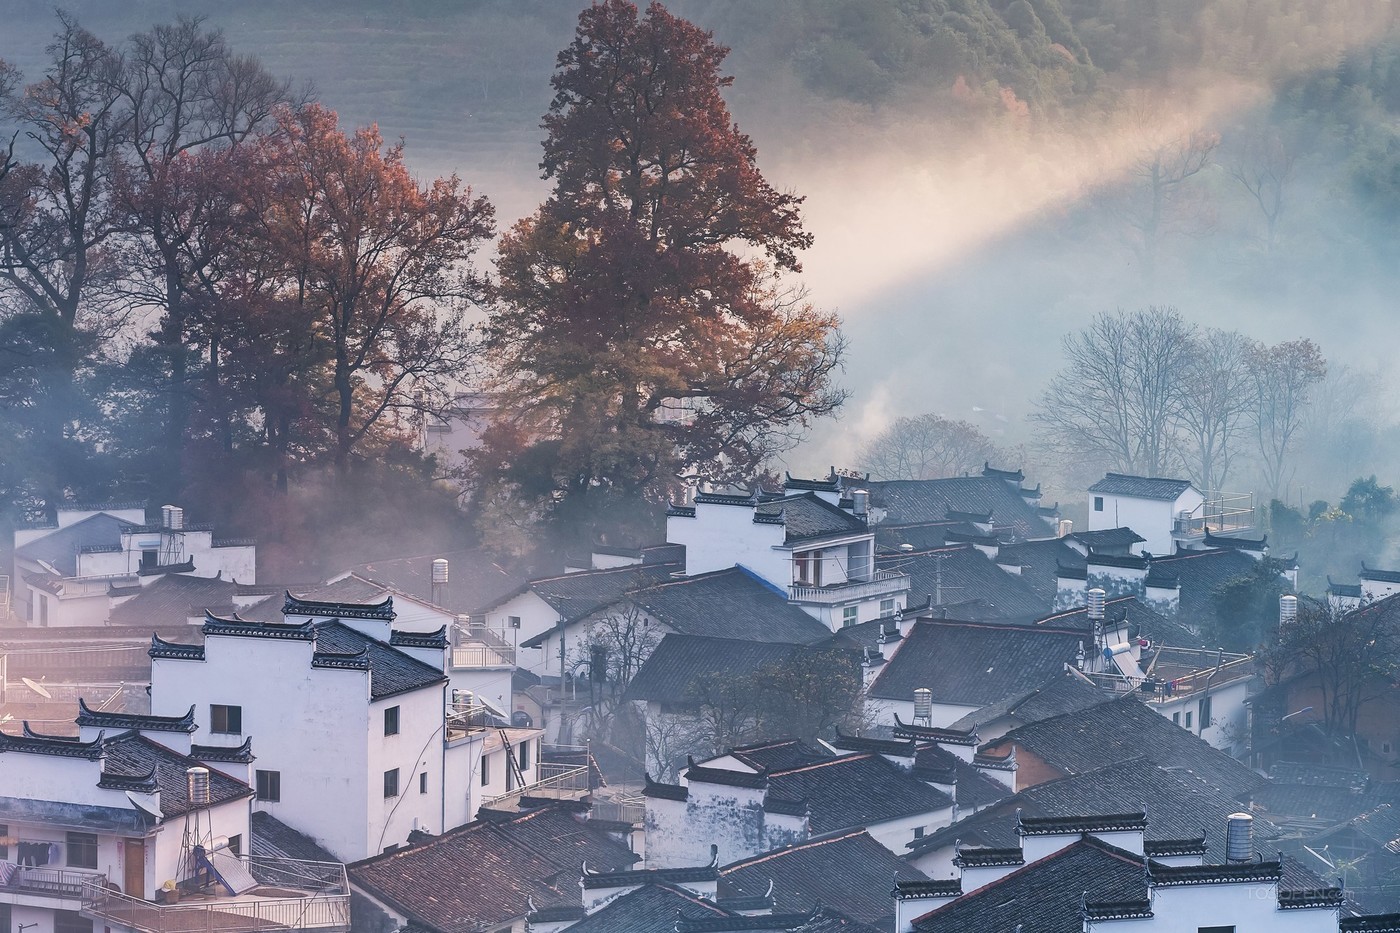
[[810, 542], [65, 573], [1160, 510], [357, 746], [94, 829]]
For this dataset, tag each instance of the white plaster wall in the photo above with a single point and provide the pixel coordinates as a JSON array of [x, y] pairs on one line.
[[1246, 907], [720, 536], [238, 563], [536, 616], [310, 724], [416, 749], [896, 835], [1150, 518], [944, 714], [75, 610], [462, 793]]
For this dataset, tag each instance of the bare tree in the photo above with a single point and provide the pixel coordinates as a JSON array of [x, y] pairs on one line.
[[1119, 402], [1218, 403], [926, 447], [1284, 377], [1263, 167], [618, 644]]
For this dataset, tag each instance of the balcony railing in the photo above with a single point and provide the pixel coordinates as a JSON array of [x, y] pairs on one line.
[[557, 781], [1163, 687], [1227, 512], [881, 583], [47, 882], [298, 896], [469, 657]]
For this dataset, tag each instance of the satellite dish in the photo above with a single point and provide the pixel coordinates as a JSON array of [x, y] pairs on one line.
[[145, 807], [37, 688]]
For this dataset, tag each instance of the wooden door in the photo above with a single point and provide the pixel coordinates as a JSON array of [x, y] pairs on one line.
[[134, 867]]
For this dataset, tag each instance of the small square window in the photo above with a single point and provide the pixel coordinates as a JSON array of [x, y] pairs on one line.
[[1098, 503], [918, 832], [82, 850], [1188, 719], [1176, 719], [225, 720], [513, 621], [423, 782], [391, 721], [391, 783], [850, 615], [887, 608], [269, 786], [235, 844]]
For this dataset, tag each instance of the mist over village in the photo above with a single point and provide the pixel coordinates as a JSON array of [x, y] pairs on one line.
[[610, 466]]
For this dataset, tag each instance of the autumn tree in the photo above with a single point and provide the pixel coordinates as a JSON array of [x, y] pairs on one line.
[[58, 264], [377, 266], [1119, 400], [926, 447], [190, 101], [1284, 376], [644, 326]]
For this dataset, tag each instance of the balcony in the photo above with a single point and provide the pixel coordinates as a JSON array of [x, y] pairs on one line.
[[1177, 673], [1228, 513], [289, 895], [558, 780], [479, 656], [49, 884], [882, 583]]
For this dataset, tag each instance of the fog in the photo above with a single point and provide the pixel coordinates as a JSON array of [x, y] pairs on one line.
[[958, 248]]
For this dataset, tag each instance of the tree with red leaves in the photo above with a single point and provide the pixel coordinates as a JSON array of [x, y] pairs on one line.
[[645, 327]]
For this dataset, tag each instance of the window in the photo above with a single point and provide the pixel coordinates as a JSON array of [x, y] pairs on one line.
[[1229, 929], [82, 850], [1203, 716], [391, 721], [4, 854], [1188, 719], [148, 560], [1176, 719], [887, 608], [513, 621], [1098, 503], [227, 720], [269, 785], [235, 844], [524, 756], [850, 616], [919, 832], [43, 609], [391, 783], [70, 921], [485, 770], [423, 783]]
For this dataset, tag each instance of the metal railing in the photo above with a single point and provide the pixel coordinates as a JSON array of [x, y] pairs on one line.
[[620, 810], [1224, 512], [557, 781], [249, 913], [467, 657], [881, 582], [50, 882], [1160, 688]]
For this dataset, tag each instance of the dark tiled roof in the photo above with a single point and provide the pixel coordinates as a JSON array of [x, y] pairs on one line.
[[972, 664], [1108, 537], [1124, 728], [856, 791], [912, 502], [1045, 896], [1141, 487], [1200, 573], [1062, 692], [391, 671], [648, 909], [381, 608], [488, 872], [778, 755], [176, 598], [59, 549], [850, 872], [974, 789], [1178, 807], [160, 648], [271, 838], [143, 722], [475, 578], [1012, 476], [133, 755], [574, 595], [239, 754], [962, 576], [808, 517], [681, 662], [1343, 589], [732, 603], [919, 537], [1373, 923], [1379, 576], [1141, 618], [1039, 561]]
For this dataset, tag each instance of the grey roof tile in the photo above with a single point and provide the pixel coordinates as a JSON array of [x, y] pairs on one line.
[[732, 603], [962, 576], [1141, 487], [913, 502], [59, 549]]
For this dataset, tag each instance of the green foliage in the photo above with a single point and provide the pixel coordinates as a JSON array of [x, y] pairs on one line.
[[1368, 501], [1246, 608]]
